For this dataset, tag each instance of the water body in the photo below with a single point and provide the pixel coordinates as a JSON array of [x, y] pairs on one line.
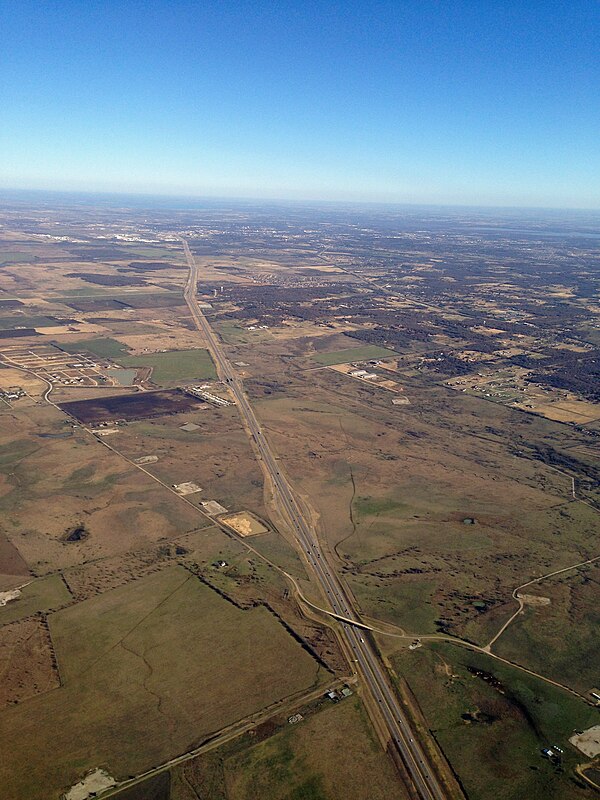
[[124, 377]]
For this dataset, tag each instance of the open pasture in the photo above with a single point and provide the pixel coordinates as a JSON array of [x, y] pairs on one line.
[[331, 754], [61, 478], [395, 493], [147, 673], [492, 722]]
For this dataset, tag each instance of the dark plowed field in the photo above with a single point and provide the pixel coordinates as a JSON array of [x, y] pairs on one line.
[[141, 300], [142, 405], [15, 334], [106, 280]]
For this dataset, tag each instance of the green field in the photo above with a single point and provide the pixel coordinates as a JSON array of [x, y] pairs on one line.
[[148, 670], [42, 594], [156, 252], [174, 365], [354, 354], [106, 348], [14, 257], [492, 726]]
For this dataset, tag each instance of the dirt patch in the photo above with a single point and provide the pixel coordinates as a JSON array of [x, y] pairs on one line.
[[588, 741], [245, 524], [27, 663], [534, 600], [93, 783]]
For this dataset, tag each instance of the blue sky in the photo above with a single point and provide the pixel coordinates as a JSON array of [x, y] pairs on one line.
[[493, 103]]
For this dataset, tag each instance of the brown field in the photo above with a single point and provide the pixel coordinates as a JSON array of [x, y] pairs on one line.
[[216, 455], [27, 664], [141, 405], [11, 562], [570, 411], [60, 478]]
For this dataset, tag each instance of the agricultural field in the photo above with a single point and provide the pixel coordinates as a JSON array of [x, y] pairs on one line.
[[141, 405], [104, 347], [39, 594], [160, 649], [331, 754], [174, 366], [328, 754], [60, 479]]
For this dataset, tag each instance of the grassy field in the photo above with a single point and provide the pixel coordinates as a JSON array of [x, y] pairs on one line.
[[559, 639], [394, 486], [365, 353], [331, 755], [155, 252], [492, 721], [58, 482], [41, 594], [175, 365], [106, 348], [148, 670]]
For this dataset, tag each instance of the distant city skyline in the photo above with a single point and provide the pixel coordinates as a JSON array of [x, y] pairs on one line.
[[462, 103]]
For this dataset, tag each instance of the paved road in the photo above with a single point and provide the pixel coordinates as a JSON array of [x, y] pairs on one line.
[[367, 662]]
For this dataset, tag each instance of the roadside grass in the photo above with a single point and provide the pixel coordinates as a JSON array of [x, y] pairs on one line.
[[41, 594], [174, 365], [353, 354], [509, 716], [274, 547], [148, 670]]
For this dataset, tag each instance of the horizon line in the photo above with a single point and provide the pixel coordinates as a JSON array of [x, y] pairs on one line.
[[116, 193]]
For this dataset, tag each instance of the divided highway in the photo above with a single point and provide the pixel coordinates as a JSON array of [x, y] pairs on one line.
[[366, 660]]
